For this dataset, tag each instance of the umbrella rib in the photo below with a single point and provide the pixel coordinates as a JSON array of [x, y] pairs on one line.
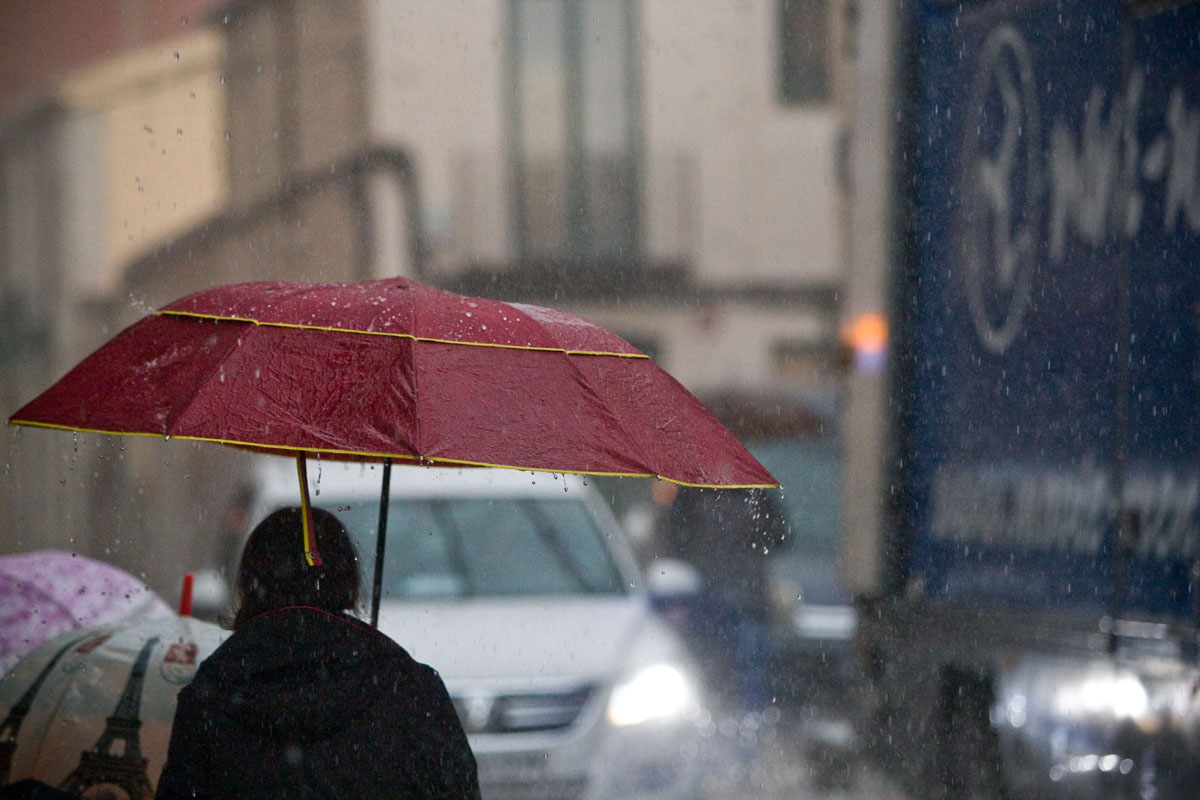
[[620, 423], [414, 337], [636, 446], [66, 685]]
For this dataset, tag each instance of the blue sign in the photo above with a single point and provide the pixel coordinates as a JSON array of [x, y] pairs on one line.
[[1052, 302]]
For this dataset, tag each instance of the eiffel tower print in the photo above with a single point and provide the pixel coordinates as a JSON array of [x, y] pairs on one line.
[[11, 727], [114, 767]]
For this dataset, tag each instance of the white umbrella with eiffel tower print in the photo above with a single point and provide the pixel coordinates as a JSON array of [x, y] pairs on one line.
[[90, 711]]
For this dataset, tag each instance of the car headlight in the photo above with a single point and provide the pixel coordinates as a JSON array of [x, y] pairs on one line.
[[658, 692]]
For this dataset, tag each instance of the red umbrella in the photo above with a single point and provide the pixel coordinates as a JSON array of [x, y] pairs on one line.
[[394, 369]]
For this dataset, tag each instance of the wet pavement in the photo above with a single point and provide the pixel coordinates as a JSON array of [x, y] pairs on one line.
[[790, 754]]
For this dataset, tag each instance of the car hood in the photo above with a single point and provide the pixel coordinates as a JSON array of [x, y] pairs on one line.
[[533, 641]]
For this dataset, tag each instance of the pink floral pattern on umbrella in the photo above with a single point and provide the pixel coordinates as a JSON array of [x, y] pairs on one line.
[[47, 592]]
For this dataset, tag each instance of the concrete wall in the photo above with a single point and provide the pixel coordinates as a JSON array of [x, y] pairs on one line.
[[110, 164], [738, 188]]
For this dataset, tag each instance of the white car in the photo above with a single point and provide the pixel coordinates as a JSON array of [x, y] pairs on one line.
[[521, 590]]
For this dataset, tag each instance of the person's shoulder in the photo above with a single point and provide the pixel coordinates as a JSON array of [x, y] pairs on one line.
[[391, 653], [381, 645]]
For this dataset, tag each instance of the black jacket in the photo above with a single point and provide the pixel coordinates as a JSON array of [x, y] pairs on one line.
[[300, 703]]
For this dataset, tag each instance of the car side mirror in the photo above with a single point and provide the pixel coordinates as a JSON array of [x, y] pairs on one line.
[[210, 595], [670, 578]]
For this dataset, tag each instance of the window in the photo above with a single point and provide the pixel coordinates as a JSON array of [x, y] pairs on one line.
[[804, 51], [445, 548], [573, 130]]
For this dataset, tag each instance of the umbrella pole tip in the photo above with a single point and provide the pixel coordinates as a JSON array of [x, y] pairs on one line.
[[185, 599]]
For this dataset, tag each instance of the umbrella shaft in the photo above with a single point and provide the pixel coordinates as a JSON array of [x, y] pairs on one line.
[[380, 541]]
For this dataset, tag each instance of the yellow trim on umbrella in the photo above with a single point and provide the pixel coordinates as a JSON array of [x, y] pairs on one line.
[[312, 556], [331, 329], [422, 460]]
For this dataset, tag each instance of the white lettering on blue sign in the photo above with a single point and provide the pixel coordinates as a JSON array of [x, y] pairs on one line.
[[1100, 172], [1071, 510]]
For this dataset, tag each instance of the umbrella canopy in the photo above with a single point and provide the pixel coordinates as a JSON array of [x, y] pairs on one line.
[[94, 707], [394, 369], [48, 592], [397, 369]]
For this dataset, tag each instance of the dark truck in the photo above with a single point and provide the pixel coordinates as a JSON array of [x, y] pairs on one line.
[[1022, 457]]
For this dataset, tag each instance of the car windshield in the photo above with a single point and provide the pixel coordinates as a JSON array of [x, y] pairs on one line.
[[483, 547], [809, 472]]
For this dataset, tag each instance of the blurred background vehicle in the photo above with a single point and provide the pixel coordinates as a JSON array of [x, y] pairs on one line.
[[813, 670], [795, 435], [522, 591], [770, 556], [1022, 457]]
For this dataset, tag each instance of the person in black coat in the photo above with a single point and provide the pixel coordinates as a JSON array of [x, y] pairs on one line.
[[728, 535], [305, 701]]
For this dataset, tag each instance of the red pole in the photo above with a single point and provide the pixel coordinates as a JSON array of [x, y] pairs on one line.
[[185, 601]]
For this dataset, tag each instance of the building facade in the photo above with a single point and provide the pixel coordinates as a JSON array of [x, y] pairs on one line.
[[670, 169]]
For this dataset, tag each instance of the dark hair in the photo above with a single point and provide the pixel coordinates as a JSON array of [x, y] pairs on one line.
[[274, 573]]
